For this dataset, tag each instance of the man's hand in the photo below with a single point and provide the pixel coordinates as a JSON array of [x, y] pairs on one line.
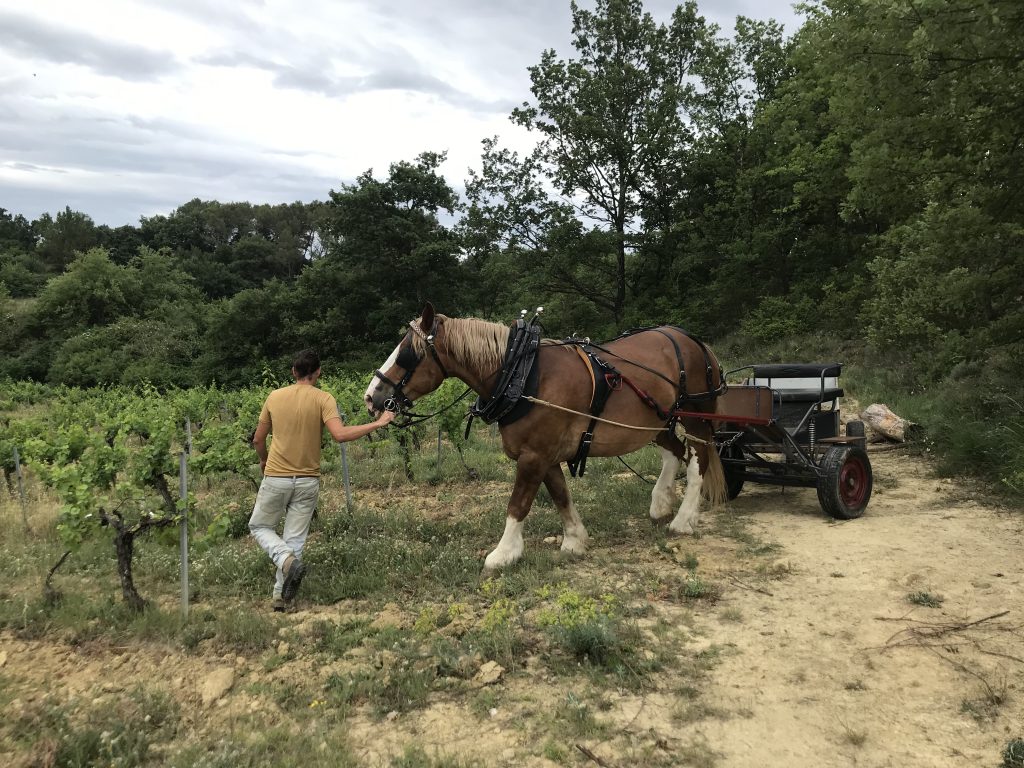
[[386, 418]]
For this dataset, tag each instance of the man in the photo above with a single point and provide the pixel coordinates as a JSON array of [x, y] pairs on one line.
[[295, 415]]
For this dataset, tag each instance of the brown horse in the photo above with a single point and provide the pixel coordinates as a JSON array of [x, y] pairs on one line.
[[651, 362]]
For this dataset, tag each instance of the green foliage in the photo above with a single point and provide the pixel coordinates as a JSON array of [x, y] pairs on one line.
[[1013, 754], [778, 317], [590, 629]]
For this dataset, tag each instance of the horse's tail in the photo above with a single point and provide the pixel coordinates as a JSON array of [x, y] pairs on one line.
[[713, 485]]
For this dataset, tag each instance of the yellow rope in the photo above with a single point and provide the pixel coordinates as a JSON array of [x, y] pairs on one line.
[[685, 436]]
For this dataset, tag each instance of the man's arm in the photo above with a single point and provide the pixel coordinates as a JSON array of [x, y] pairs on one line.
[[259, 442], [343, 434]]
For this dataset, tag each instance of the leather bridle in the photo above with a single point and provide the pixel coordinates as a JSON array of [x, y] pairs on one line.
[[408, 361]]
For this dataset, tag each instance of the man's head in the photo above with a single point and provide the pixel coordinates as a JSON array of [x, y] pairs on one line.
[[305, 364]]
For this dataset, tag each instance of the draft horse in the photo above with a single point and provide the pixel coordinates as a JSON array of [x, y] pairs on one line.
[[661, 370]]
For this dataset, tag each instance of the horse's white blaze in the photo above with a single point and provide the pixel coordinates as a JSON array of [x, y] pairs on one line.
[[376, 379], [574, 534], [510, 548], [686, 520], [663, 497]]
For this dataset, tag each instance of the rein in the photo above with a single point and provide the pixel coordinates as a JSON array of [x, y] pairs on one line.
[[412, 418], [686, 435]]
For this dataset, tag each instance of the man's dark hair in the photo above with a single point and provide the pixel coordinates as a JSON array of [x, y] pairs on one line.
[[305, 363]]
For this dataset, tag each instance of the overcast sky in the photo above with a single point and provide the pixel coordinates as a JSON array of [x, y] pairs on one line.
[[129, 109]]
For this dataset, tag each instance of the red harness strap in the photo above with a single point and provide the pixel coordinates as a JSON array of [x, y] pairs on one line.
[[648, 400]]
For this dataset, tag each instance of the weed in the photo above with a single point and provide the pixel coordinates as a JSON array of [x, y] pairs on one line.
[[1013, 754], [118, 732], [591, 630], [697, 754], [482, 704], [555, 752], [695, 588], [694, 711], [732, 615], [853, 737], [254, 745], [925, 599], [286, 694], [244, 631], [337, 638], [402, 682], [416, 757], [575, 715]]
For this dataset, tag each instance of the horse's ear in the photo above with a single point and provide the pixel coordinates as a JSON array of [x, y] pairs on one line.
[[427, 318]]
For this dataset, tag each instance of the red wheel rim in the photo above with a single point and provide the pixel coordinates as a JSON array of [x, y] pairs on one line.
[[853, 483]]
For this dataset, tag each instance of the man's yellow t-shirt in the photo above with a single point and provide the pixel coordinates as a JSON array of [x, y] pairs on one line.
[[296, 415]]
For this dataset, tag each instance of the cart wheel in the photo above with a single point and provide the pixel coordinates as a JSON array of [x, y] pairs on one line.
[[855, 429], [844, 488], [733, 476]]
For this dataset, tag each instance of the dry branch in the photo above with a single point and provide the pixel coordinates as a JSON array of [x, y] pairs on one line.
[[592, 756], [748, 586]]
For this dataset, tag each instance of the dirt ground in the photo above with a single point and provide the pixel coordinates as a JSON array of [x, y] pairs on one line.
[[836, 667], [827, 663]]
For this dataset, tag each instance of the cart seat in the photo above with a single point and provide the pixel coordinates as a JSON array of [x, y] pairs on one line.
[[800, 382], [807, 395]]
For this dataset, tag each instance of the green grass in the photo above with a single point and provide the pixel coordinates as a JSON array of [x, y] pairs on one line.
[[118, 732], [417, 757]]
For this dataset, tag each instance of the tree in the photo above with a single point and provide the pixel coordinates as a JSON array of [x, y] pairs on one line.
[[60, 239], [928, 97], [93, 291], [229, 247], [613, 121], [385, 254], [16, 233]]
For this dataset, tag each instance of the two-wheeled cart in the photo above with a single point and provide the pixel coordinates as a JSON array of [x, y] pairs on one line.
[[781, 427]]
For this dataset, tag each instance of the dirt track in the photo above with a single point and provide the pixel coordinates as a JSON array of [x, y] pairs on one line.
[[828, 668]]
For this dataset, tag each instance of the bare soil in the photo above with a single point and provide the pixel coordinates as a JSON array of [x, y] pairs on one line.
[[821, 658]]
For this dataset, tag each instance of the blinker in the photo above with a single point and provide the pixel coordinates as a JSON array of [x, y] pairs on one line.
[[407, 358]]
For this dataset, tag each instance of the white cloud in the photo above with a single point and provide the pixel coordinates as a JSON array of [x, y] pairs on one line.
[[123, 109]]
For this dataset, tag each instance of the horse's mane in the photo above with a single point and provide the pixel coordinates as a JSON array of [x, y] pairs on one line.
[[473, 342]]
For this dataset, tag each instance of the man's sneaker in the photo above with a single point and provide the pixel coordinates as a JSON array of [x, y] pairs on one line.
[[279, 605], [294, 569]]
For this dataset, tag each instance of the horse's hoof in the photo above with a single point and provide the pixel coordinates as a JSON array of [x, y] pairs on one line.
[[573, 547], [683, 530], [572, 553], [660, 522], [488, 573]]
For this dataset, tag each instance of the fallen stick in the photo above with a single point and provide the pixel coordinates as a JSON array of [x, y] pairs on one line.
[[592, 756], [749, 586]]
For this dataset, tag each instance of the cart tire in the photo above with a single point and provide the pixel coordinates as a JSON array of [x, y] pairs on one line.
[[844, 488], [733, 478], [855, 429]]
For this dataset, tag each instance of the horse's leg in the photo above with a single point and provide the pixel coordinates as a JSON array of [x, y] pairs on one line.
[[574, 534], [685, 520], [529, 472], [688, 515], [703, 473], [663, 497]]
